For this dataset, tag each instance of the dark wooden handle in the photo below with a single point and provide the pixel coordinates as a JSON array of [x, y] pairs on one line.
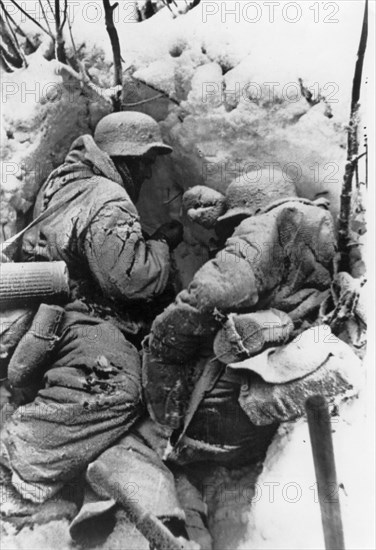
[[323, 456]]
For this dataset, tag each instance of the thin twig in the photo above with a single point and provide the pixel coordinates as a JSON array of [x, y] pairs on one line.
[[4, 63], [143, 101], [19, 49], [9, 60], [44, 15], [17, 27], [158, 90], [366, 153], [174, 198], [31, 18], [355, 160], [168, 5]]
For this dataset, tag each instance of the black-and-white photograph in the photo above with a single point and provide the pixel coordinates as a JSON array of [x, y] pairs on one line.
[[187, 275]]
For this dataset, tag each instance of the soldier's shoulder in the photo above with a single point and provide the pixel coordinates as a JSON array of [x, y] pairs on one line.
[[107, 192], [303, 209], [107, 189]]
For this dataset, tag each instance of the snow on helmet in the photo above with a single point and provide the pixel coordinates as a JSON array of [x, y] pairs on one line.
[[129, 134], [255, 190]]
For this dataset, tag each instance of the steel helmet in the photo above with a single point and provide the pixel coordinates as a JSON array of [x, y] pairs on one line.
[[255, 190], [129, 133]]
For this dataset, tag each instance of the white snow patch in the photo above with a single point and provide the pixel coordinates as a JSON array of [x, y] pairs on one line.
[[286, 513]]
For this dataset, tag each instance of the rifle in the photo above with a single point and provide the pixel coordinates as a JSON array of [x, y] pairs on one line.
[[352, 154]]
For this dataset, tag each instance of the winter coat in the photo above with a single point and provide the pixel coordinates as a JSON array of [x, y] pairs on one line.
[[276, 259], [90, 378], [97, 233]]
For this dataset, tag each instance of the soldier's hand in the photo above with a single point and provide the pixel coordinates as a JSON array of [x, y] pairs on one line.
[[171, 232], [204, 205]]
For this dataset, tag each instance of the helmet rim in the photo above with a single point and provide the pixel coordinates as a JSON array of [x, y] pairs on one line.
[[129, 133], [236, 211], [131, 149]]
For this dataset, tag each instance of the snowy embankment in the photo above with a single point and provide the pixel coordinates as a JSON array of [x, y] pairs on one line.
[[231, 95]]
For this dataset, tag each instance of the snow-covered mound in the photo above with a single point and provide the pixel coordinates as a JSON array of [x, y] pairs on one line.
[[254, 90], [44, 110], [286, 499], [234, 87]]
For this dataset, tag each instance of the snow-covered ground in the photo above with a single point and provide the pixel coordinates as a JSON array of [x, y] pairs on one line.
[[236, 76], [233, 73]]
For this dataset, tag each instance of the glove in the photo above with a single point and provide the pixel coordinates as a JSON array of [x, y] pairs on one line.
[[171, 232], [204, 205], [247, 334]]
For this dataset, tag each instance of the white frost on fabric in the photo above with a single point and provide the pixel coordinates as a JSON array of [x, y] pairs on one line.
[[181, 57]]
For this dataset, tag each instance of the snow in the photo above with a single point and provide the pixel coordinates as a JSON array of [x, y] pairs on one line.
[[287, 513], [238, 86], [41, 537]]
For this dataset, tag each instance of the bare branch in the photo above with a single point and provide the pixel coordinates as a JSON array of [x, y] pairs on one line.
[[352, 152], [10, 61], [44, 15], [11, 52], [166, 3], [72, 39], [12, 39], [115, 43], [165, 94], [65, 14], [31, 18], [60, 47], [366, 148], [189, 5], [3, 62], [143, 101], [82, 77], [17, 27], [57, 14]]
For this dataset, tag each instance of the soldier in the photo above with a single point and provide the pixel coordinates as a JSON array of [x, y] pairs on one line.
[[278, 260], [91, 391]]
